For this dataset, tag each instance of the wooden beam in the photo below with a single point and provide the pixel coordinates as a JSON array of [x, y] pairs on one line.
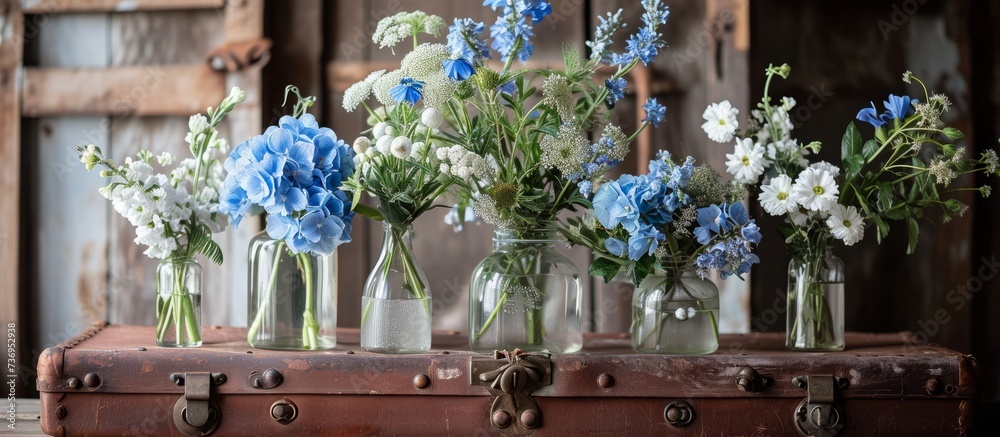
[[63, 6], [140, 90], [11, 47]]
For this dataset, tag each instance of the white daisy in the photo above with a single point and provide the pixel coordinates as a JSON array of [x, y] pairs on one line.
[[776, 197], [815, 190], [846, 224], [827, 167], [720, 121], [746, 163]]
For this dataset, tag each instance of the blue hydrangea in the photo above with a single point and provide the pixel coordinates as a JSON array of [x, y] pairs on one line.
[[408, 90], [655, 112], [293, 172], [616, 247]]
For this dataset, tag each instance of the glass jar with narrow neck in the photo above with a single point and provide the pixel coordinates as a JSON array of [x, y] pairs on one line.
[[815, 301], [674, 311], [396, 306], [178, 303], [525, 295]]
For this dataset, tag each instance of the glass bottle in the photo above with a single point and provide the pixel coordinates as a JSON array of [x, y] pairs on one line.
[[815, 302], [178, 303], [675, 312]]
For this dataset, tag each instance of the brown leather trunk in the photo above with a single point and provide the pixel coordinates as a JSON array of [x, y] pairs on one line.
[[113, 380]]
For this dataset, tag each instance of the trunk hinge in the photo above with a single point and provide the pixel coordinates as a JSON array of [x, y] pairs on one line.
[[818, 414], [196, 413], [512, 377]]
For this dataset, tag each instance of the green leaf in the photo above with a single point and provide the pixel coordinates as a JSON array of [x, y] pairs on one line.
[[884, 196], [637, 271], [882, 228], [954, 205], [605, 268], [871, 146], [852, 165], [914, 232], [850, 145], [953, 134], [201, 241], [368, 211]]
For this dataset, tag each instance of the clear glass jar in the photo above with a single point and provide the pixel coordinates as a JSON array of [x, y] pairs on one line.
[[675, 312], [178, 303], [815, 302], [396, 306], [525, 295], [291, 298]]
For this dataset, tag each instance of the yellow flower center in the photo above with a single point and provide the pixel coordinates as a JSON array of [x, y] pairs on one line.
[[782, 195], [818, 190], [847, 223], [746, 160], [722, 122]]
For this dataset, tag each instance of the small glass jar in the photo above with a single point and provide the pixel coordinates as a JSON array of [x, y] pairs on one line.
[[525, 295], [815, 302], [396, 306], [675, 312], [292, 298], [178, 303]]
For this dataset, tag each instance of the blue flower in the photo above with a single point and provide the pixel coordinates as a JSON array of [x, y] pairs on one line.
[[408, 91], [644, 242], [897, 108], [287, 199], [280, 227], [616, 89], [644, 45], [464, 42], [458, 69], [615, 246], [710, 219], [751, 232], [738, 214], [536, 9], [655, 15], [508, 89], [512, 26], [871, 116], [612, 207], [586, 188], [655, 112]]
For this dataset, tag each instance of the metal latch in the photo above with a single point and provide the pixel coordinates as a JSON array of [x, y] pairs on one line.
[[512, 377], [818, 414], [196, 413]]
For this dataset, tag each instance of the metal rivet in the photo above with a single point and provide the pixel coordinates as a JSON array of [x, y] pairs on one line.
[[679, 414], [530, 419], [421, 381], [949, 389], [799, 382], [605, 380], [501, 419], [92, 380], [933, 386], [60, 412], [284, 411], [219, 378], [73, 383], [142, 349]]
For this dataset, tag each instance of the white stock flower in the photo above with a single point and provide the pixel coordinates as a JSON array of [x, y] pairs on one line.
[[776, 197], [746, 163], [827, 167], [361, 145], [198, 124], [720, 121], [165, 158], [815, 190], [89, 157], [401, 147], [431, 118], [846, 224]]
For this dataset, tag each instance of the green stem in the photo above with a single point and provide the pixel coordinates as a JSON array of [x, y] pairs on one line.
[[310, 337], [255, 326]]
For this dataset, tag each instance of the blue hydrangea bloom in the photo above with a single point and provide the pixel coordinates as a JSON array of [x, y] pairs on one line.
[[751, 232], [871, 116], [615, 246], [586, 188], [458, 69], [616, 89], [408, 90], [612, 207], [294, 172], [655, 112], [710, 221], [644, 242], [897, 107]]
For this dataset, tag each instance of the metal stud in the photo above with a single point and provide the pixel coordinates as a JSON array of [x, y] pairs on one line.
[[605, 380], [73, 383], [679, 414], [92, 380], [530, 419], [421, 381], [501, 419], [60, 412]]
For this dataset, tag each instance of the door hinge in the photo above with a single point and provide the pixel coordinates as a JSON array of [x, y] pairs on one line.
[[196, 413], [512, 377], [818, 415]]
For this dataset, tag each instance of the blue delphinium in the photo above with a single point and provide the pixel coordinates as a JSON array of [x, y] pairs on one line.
[[897, 107], [616, 89], [464, 42], [512, 25], [600, 47], [871, 116], [655, 112], [294, 172], [646, 43], [408, 90]]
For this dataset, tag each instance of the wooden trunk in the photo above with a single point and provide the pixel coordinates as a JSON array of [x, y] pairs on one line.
[[113, 380]]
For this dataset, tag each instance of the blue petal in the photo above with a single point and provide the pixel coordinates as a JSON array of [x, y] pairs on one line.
[[458, 69]]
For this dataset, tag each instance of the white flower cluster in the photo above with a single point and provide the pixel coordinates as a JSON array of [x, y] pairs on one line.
[[387, 142], [566, 151], [558, 93], [361, 91], [391, 30], [464, 164], [813, 195], [770, 143], [424, 63]]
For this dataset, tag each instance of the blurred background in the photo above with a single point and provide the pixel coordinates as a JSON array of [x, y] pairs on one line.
[[126, 75]]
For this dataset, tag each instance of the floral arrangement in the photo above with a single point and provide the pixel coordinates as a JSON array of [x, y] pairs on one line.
[[294, 172], [174, 213], [897, 175], [676, 217]]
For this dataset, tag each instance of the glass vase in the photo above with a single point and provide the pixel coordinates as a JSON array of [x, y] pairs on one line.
[[815, 302], [525, 295], [396, 307], [178, 303], [675, 312], [291, 298]]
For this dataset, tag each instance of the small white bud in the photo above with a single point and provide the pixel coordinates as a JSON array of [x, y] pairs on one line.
[[383, 144], [361, 145], [379, 130], [431, 118], [370, 153], [389, 130], [401, 147]]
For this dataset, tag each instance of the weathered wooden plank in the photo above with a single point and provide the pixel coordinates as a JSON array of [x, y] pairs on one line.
[[10, 165], [64, 6], [146, 90]]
